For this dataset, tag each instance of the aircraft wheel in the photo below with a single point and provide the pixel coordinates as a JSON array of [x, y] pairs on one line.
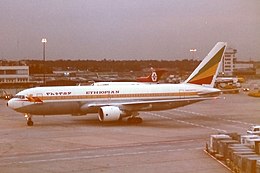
[[138, 120], [29, 121], [134, 120]]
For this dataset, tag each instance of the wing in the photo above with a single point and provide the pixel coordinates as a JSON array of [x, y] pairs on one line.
[[147, 105]]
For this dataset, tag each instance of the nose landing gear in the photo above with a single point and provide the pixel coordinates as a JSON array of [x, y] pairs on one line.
[[29, 119]]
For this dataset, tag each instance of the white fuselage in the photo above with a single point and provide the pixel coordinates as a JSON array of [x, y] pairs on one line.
[[80, 100]]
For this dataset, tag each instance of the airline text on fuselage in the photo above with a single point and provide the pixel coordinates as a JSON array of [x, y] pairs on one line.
[[58, 93], [102, 92]]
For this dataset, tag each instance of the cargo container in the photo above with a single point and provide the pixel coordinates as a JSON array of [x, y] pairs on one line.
[[251, 142], [257, 147], [223, 147], [243, 138], [241, 160], [257, 166], [251, 164], [229, 160], [213, 143], [232, 150]]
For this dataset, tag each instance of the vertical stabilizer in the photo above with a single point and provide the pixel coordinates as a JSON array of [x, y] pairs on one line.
[[207, 71]]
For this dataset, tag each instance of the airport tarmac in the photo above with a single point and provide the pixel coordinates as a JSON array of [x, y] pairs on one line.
[[166, 141]]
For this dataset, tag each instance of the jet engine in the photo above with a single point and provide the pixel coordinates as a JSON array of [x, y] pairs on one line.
[[109, 113]]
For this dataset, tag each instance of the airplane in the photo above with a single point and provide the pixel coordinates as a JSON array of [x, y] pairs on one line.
[[234, 80], [115, 102], [227, 80], [120, 83], [154, 76]]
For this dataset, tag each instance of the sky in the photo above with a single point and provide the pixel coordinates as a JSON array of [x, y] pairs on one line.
[[127, 29]]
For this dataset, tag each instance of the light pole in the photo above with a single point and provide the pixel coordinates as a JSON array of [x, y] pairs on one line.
[[44, 41], [193, 52]]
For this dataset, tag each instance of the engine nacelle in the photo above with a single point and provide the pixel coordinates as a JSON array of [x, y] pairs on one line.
[[109, 113]]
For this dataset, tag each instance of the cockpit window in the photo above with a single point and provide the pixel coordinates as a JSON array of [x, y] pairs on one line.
[[19, 96]]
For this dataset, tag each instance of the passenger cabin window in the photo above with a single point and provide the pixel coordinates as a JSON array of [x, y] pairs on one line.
[[19, 96]]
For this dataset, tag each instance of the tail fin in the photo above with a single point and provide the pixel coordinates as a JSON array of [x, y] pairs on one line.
[[206, 72]]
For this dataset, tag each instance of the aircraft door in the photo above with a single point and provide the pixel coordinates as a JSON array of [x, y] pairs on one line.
[[109, 97], [39, 98], [181, 93]]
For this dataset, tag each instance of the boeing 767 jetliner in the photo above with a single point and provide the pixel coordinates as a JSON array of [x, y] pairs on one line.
[[114, 102]]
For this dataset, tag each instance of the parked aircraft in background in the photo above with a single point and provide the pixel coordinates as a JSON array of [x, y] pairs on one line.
[[115, 102], [230, 80], [154, 76], [229, 84]]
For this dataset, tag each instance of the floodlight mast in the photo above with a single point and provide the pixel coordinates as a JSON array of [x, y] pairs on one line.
[[44, 41]]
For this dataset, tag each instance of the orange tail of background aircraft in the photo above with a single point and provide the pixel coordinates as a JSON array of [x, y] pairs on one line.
[[155, 76]]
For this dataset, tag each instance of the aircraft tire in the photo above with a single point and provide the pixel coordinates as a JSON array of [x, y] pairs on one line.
[[30, 123], [134, 120]]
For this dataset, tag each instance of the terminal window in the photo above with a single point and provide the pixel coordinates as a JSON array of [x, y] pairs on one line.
[[10, 72]]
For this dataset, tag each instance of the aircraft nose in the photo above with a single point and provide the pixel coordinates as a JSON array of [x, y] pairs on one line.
[[11, 104]]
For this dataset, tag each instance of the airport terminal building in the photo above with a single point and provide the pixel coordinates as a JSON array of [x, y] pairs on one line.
[[232, 67], [14, 79], [14, 74]]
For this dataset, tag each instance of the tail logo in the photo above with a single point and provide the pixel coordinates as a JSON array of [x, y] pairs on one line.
[[154, 77]]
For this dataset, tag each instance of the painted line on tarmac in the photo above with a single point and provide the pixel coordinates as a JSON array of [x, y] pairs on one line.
[[93, 149], [218, 161], [187, 122], [102, 156], [200, 114]]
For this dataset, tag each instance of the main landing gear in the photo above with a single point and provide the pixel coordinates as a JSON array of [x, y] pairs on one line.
[[29, 119], [134, 119]]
